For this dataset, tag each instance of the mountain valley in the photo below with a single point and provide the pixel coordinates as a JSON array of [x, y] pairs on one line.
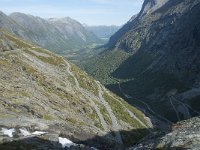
[[103, 32], [67, 85], [154, 58], [64, 36], [48, 93]]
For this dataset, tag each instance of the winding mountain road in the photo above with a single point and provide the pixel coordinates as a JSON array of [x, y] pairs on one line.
[[184, 104], [130, 113], [71, 74], [147, 106], [177, 114], [111, 114], [89, 96]]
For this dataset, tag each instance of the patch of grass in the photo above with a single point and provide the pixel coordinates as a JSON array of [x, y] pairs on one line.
[[105, 115], [5, 63], [18, 43], [95, 118], [81, 123], [85, 80], [47, 117], [17, 101], [72, 120], [131, 108], [137, 113], [6, 115], [120, 112], [24, 93], [41, 50], [56, 61]]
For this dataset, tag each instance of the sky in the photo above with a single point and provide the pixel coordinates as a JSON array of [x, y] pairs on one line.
[[90, 12]]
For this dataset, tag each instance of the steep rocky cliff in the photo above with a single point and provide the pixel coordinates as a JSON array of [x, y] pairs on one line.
[[155, 56], [169, 30], [148, 7]]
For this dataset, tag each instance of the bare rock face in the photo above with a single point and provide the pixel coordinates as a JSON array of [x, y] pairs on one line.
[[184, 135], [150, 6], [166, 28]]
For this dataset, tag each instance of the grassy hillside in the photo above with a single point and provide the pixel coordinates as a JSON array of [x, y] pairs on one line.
[[36, 83]]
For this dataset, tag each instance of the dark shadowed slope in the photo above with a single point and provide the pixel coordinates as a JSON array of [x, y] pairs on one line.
[[155, 55]]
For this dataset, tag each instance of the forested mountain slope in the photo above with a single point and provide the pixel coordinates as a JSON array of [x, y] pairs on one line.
[[155, 56]]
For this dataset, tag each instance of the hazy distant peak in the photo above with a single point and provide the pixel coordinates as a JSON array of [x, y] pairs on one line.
[[1, 13], [25, 18], [85, 25], [109, 26], [103, 31], [19, 14], [65, 20]]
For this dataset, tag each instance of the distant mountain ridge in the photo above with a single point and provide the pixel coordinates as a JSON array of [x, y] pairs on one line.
[[72, 28], [58, 35]]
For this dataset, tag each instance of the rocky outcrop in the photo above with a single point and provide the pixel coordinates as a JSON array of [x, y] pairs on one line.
[[150, 6], [26, 133], [183, 135]]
